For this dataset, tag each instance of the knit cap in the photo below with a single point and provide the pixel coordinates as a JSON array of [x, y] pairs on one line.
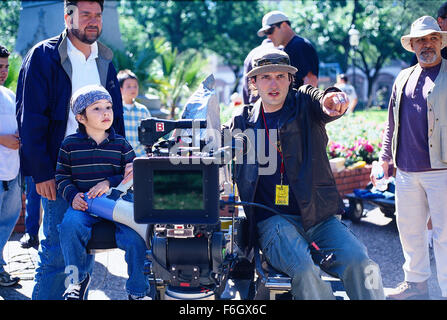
[[88, 95]]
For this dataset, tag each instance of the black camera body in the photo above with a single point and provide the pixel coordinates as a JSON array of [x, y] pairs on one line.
[[178, 196]]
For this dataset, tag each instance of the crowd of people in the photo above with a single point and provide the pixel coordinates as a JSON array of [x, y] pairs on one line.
[[71, 132]]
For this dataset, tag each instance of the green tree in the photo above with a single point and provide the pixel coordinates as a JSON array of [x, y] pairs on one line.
[[9, 25], [181, 23], [232, 33], [15, 62], [139, 51], [9, 22], [174, 75], [228, 28], [381, 24]]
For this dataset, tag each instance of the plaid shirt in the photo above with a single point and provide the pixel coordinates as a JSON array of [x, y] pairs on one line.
[[132, 118]]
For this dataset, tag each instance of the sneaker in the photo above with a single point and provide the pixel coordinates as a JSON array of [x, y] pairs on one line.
[[7, 281], [77, 291], [132, 297], [29, 241], [409, 291]]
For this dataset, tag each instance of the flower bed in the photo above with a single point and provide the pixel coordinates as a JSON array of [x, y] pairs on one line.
[[355, 138]]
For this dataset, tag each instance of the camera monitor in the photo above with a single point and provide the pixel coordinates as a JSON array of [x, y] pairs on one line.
[[179, 193]]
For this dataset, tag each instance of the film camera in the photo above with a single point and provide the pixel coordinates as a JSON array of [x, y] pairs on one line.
[[178, 196], [177, 193]]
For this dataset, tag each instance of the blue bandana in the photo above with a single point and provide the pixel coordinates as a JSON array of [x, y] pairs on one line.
[[88, 95]]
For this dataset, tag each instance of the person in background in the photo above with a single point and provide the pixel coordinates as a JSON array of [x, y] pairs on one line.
[[134, 112], [442, 22], [414, 140], [343, 85], [10, 190], [303, 56]]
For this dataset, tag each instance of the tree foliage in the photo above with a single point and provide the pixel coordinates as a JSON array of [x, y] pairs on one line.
[[228, 28], [9, 22], [174, 75], [9, 25], [381, 24]]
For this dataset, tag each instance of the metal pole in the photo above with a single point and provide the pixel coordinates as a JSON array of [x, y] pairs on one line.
[[353, 68]]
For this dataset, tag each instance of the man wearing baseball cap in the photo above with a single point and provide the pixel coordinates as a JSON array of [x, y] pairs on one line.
[[415, 141], [303, 56], [300, 189]]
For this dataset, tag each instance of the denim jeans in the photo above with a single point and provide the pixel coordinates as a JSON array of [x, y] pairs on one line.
[[10, 206], [77, 227], [49, 281], [32, 215], [287, 251]]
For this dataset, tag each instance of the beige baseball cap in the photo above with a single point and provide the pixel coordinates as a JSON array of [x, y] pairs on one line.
[[270, 19], [420, 28]]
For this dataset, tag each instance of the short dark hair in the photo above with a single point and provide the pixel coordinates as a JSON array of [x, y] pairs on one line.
[[68, 3], [343, 77], [442, 11], [125, 74], [4, 53]]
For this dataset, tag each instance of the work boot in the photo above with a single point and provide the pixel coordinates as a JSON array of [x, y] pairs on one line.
[[409, 291]]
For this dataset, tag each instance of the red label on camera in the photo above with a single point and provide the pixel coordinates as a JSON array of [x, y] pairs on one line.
[[159, 127]]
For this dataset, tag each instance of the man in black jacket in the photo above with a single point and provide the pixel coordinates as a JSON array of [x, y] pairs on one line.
[[297, 183]]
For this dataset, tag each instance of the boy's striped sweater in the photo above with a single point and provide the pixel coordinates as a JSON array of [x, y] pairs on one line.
[[82, 163]]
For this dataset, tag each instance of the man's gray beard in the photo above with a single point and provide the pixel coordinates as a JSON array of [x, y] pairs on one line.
[[83, 38], [434, 57]]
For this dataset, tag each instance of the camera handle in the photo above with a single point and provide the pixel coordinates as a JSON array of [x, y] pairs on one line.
[[326, 259]]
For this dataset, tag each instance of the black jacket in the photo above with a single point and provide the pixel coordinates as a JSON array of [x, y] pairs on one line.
[[303, 139]]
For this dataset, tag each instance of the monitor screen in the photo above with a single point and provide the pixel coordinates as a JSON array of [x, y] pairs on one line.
[[178, 190], [177, 193]]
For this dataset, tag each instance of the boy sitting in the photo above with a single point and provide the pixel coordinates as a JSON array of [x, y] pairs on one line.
[[94, 160], [134, 112]]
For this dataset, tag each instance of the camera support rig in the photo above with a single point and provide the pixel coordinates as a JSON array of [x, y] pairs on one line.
[[190, 255]]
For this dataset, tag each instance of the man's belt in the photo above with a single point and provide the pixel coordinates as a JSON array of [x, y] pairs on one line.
[[6, 185]]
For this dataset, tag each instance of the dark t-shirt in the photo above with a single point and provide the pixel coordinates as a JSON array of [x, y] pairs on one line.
[[304, 57], [413, 154], [266, 187]]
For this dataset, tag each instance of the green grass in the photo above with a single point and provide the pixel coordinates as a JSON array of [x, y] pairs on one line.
[[373, 114]]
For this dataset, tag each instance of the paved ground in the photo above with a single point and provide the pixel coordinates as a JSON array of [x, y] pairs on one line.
[[377, 232], [381, 237], [108, 278]]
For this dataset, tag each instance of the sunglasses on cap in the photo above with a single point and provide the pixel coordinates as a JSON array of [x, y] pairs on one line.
[[268, 61], [272, 28]]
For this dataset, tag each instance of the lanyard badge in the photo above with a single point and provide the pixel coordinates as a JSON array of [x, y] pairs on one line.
[[281, 190]]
